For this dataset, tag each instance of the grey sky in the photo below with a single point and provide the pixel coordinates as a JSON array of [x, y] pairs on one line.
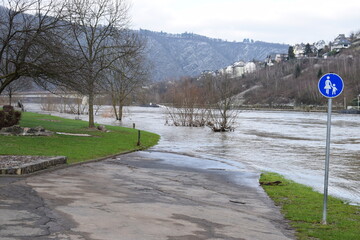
[[280, 21]]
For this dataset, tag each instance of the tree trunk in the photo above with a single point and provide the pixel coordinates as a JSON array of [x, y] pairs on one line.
[[91, 110], [121, 105], [113, 103], [224, 123], [10, 98], [115, 110]]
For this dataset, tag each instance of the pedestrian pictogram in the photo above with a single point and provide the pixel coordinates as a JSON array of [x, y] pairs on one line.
[[331, 85]]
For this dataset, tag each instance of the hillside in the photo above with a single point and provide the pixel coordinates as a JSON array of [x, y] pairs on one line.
[[177, 55], [295, 82], [287, 84]]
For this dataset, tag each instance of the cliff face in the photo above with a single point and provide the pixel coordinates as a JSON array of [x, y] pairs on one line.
[[176, 55]]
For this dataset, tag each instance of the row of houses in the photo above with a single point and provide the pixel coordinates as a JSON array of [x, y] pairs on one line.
[[237, 69], [318, 49], [240, 68]]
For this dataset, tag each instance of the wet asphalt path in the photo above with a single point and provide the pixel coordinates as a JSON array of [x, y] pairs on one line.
[[139, 196]]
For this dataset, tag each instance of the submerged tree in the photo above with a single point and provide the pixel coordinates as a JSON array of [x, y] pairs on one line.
[[222, 92], [208, 102], [127, 73], [188, 104]]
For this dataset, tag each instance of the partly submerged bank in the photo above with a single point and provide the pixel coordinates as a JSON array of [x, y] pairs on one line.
[[303, 207], [281, 142]]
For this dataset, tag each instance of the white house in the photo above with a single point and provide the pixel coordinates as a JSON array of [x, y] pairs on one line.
[[281, 57], [238, 69], [340, 42], [250, 67], [229, 70], [299, 50], [319, 45]]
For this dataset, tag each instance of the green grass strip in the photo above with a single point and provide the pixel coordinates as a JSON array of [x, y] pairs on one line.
[[76, 148], [303, 207]]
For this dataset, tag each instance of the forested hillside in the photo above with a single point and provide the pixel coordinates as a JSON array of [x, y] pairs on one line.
[[178, 55]]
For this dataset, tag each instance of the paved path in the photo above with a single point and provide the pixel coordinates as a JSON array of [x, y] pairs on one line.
[[138, 196]]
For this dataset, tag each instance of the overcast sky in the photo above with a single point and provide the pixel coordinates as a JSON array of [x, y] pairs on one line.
[[278, 21]]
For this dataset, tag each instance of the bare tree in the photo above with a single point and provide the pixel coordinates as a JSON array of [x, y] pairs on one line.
[[95, 26], [188, 104], [128, 73], [210, 100], [221, 96], [25, 28], [17, 86]]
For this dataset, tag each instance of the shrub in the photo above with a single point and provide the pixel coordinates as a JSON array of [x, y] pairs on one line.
[[9, 117]]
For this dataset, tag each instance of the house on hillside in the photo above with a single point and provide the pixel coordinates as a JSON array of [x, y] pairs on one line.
[[299, 50], [270, 59], [280, 57], [319, 45], [208, 73], [340, 42], [250, 67], [356, 41], [229, 70], [357, 35], [238, 69], [235, 70]]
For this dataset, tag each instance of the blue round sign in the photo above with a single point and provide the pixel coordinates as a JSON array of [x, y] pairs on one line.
[[331, 85]]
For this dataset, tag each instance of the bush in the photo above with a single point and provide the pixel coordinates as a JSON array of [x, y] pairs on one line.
[[9, 117]]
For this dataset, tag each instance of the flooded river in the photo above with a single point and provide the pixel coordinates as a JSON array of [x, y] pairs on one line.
[[289, 143]]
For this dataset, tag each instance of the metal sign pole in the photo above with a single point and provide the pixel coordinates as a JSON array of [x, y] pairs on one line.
[[330, 86], [327, 161]]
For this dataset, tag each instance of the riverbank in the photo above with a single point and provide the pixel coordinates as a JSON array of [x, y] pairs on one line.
[[303, 208], [73, 139], [304, 108], [281, 142]]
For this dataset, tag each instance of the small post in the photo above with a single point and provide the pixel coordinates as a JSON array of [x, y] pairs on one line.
[[139, 136], [133, 125], [327, 161]]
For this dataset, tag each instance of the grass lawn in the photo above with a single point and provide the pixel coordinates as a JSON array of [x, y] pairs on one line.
[[303, 207], [77, 149]]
